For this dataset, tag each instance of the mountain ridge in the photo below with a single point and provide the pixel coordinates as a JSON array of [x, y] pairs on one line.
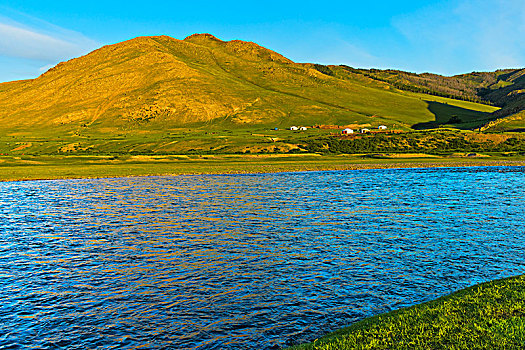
[[163, 82], [503, 87]]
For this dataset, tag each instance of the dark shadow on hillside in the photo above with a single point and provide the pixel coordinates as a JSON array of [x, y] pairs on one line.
[[505, 76], [454, 116]]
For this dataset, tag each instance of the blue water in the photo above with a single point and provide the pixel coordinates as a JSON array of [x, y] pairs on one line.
[[245, 261]]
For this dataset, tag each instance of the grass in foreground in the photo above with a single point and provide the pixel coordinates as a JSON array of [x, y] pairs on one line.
[[486, 316]]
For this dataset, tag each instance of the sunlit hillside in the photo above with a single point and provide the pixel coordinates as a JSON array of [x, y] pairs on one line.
[[503, 88], [152, 83]]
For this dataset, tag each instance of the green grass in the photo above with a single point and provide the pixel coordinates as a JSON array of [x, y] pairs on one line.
[[485, 316], [514, 122], [219, 141], [42, 155], [33, 167], [439, 141], [170, 141]]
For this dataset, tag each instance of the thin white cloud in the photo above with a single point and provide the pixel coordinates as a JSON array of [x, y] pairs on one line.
[[45, 68], [352, 54], [315, 42], [38, 40], [481, 34]]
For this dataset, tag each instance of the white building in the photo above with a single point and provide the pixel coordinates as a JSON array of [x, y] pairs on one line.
[[382, 127], [364, 131], [303, 128], [294, 128], [348, 131]]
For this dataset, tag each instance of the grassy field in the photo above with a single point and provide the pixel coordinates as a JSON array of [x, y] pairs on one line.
[[514, 122], [31, 167], [204, 140], [53, 155], [173, 141], [485, 316], [438, 142]]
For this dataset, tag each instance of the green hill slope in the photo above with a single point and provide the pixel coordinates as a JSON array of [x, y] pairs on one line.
[[503, 88], [161, 83]]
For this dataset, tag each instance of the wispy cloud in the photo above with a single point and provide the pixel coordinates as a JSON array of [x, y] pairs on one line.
[[313, 42], [29, 38], [482, 34], [339, 51]]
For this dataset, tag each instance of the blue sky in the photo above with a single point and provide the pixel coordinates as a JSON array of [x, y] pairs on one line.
[[446, 37]]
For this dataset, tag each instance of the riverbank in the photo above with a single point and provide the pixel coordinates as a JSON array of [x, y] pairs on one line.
[[486, 316], [69, 167]]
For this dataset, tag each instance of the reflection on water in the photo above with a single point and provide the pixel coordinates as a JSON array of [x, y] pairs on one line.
[[244, 261]]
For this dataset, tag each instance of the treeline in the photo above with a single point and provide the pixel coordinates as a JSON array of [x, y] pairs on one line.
[[491, 88], [431, 143], [428, 84], [459, 87]]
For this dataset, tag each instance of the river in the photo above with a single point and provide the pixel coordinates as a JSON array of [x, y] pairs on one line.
[[245, 261]]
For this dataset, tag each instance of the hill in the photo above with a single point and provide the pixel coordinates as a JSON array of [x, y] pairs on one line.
[[502, 88], [161, 83]]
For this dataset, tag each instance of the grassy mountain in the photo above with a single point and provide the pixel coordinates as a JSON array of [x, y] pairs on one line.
[[503, 88], [161, 83]]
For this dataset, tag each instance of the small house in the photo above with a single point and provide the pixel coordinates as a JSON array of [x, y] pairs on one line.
[[303, 128], [294, 128], [347, 131], [364, 131], [382, 127]]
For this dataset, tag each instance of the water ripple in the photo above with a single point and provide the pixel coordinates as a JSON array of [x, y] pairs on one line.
[[244, 261]]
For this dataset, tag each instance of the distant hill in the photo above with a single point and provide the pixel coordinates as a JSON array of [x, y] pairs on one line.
[[502, 88], [161, 83]]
